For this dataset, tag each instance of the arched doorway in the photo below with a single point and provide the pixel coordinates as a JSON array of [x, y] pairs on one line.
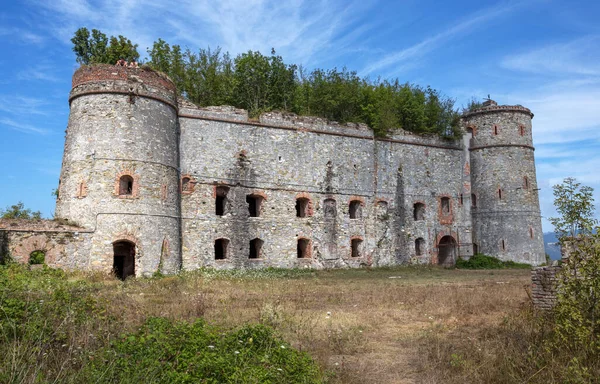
[[447, 250], [124, 259]]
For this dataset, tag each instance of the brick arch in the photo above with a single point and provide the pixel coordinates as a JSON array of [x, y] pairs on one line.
[[309, 246], [135, 189], [440, 235], [191, 185], [307, 196], [37, 242], [473, 129]]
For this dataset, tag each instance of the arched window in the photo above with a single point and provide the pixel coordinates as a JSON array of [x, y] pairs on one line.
[[355, 209], [303, 248], [302, 207], [37, 257], [221, 248], [255, 248], [356, 245], [473, 200], [419, 211], [221, 200], [419, 246], [329, 206], [445, 201], [186, 184], [126, 185], [254, 204]]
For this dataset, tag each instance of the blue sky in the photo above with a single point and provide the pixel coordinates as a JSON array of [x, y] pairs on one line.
[[543, 54]]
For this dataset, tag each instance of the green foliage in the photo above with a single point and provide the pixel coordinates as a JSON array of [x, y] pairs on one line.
[[480, 261], [97, 48], [18, 211], [260, 83], [578, 300], [166, 352], [472, 105], [56, 327], [37, 257], [575, 205]]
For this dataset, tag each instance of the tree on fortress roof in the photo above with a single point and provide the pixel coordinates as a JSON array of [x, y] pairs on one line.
[[260, 83], [96, 48]]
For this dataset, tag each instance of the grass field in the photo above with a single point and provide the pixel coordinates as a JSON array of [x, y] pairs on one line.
[[367, 326], [399, 325]]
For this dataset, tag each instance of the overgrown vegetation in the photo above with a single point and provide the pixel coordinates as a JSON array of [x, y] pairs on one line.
[[557, 346], [18, 211], [58, 327], [480, 261], [261, 83]]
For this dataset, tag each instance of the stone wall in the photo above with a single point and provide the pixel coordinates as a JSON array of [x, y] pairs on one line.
[[283, 157], [543, 286], [64, 246]]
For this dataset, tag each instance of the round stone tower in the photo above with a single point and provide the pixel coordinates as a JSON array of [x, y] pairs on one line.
[[120, 170], [505, 205]]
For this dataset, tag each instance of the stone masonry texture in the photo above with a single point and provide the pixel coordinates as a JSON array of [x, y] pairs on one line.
[[177, 181]]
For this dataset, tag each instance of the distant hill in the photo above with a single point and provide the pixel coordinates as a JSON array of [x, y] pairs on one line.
[[551, 245]]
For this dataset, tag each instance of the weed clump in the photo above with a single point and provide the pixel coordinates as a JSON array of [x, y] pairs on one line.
[[480, 261]]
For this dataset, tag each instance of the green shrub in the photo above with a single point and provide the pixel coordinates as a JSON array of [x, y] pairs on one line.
[[177, 352], [37, 257], [480, 261]]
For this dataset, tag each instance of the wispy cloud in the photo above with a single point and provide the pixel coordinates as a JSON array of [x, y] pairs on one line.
[[17, 105], [22, 127], [299, 29], [400, 58], [38, 72], [22, 35], [577, 57]]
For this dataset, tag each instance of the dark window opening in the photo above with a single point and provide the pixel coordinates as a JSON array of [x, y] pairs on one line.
[[460, 199], [254, 204], [302, 207], [221, 200], [475, 249], [125, 185], [445, 205], [499, 194], [255, 248], [356, 247], [124, 259], [495, 129], [419, 211], [329, 206], [525, 182], [37, 257], [503, 245], [530, 233], [303, 248], [355, 209], [221, 246], [419, 246], [473, 200], [186, 185], [446, 250]]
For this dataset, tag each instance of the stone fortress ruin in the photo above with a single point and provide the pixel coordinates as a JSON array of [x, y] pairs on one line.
[[151, 182]]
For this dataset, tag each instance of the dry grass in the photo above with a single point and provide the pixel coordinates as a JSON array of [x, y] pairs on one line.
[[365, 326]]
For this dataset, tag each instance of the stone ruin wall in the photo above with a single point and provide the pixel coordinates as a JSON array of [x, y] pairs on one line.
[[64, 246], [282, 157]]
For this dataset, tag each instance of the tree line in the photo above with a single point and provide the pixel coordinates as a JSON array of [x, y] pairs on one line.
[[261, 83]]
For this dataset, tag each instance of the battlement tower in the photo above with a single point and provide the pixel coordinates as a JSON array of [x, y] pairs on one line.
[[504, 192], [120, 170]]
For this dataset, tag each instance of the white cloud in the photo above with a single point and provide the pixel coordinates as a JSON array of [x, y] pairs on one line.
[[298, 29], [576, 57], [22, 127]]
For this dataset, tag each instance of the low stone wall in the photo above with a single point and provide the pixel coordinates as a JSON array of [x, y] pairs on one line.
[[543, 287]]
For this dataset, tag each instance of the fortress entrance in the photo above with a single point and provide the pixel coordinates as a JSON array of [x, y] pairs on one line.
[[447, 251], [124, 259]]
